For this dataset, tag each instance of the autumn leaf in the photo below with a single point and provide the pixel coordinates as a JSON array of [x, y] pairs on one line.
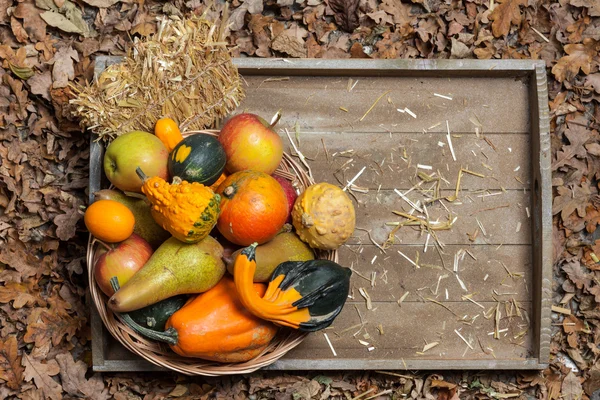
[[21, 294], [72, 376], [346, 14], [506, 13], [579, 57], [51, 328], [569, 200], [291, 45], [11, 370], [576, 273], [571, 387], [593, 6], [42, 374], [18, 30], [63, 70], [33, 24], [577, 136]]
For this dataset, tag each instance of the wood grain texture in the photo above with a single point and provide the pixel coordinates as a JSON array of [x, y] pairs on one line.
[[314, 103], [392, 160], [508, 97]]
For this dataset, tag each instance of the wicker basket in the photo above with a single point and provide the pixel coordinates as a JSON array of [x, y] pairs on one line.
[[160, 354]]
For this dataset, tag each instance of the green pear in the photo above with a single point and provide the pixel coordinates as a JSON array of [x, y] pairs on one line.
[[145, 226], [286, 246], [174, 268]]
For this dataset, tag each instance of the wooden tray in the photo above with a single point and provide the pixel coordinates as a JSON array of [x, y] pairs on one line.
[[507, 270]]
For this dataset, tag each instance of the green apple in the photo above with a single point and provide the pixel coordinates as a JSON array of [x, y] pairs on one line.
[[131, 150]]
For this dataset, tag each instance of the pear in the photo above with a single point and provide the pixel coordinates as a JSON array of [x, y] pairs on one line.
[[145, 226], [174, 268], [286, 246]]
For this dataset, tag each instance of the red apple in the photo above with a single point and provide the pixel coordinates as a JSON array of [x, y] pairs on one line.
[[290, 194], [122, 260], [250, 143]]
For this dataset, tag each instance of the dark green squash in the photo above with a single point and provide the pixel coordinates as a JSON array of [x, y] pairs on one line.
[[197, 158], [155, 316], [304, 295]]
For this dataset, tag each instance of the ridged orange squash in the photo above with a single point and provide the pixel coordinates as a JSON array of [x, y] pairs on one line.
[[215, 326]]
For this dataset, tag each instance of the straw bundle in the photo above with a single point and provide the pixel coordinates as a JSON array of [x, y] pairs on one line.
[[184, 72]]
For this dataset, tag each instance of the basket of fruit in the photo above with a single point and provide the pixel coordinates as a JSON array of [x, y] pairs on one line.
[[214, 252]]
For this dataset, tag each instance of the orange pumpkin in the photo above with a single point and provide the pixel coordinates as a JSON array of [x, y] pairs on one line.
[[253, 208], [214, 326]]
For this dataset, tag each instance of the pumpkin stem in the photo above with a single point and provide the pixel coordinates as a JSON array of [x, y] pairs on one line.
[[229, 191], [141, 174], [169, 336], [176, 180]]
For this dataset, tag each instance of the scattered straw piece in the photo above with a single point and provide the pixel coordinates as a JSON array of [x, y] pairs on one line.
[[408, 259], [463, 338], [330, 345], [366, 296], [430, 346], [442, 96], [449, 139], [344, 109], [428, 167], [404, 296], [373, 106], [354, 179], [412, 114], [561, 310], [518, 226]]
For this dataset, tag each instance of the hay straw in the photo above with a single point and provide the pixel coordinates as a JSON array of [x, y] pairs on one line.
[[184, 72]]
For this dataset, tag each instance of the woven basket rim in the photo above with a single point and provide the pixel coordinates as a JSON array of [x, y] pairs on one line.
[[158, 353]]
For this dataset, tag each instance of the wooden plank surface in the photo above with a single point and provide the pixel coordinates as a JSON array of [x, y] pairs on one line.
[[314, 103], [338, 145], [487, 276], [408, 328], [392, 160]]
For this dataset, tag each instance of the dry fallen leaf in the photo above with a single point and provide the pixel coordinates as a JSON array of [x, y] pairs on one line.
[[11, 371], [346, 14], [593, 6], [569, 200], [42, 374], [63, 70], [507, 12], [101, 3], [579, 57], [72, 376], [59, 21], [18, 30], [290, 45], [571, 387], [33, 24], [576, 273], [20, 294], [577, 136], [40, 84]]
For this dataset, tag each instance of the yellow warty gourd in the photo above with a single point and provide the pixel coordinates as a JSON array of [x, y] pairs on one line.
[[189, 211], [324, 216]]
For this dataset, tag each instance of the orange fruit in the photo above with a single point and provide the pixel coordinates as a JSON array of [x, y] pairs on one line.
[[109, 221], [168, 132]]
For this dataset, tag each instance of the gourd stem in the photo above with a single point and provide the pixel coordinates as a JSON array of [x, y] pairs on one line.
[[141, 174], [169, 336]]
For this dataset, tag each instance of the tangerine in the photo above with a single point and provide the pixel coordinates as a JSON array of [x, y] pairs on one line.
[[109, 221]]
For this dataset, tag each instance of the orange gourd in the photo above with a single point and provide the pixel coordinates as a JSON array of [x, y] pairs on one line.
[[253, 207], [214, 326], [187, 210], [168, 132], [303, 295]]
